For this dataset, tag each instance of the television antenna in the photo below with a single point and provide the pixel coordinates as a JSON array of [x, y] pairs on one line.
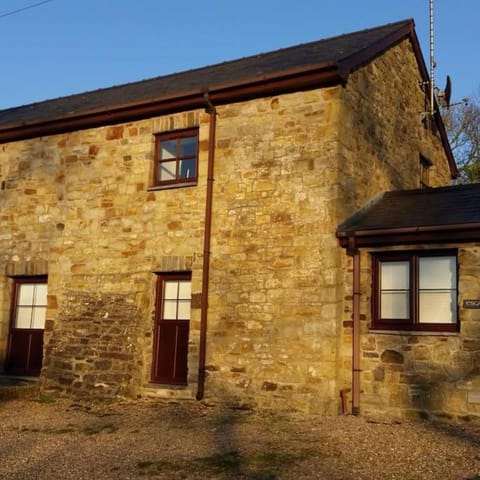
[[432, 62], [443, 96]]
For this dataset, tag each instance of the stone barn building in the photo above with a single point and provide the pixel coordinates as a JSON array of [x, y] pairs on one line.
[[177, 237]]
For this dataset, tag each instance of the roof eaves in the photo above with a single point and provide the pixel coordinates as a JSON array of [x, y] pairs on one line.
[[317, 75], [413, 235]]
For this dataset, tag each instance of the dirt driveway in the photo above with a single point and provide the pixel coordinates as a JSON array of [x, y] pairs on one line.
[[150, 439]]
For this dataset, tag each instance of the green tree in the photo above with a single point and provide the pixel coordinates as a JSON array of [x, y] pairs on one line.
[[462, 122]]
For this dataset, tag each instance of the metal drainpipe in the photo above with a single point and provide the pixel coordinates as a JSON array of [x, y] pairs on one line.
[[209, 108], [355, 254]]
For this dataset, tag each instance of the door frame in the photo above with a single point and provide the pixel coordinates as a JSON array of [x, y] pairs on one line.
[[181, 326], [30, 334]]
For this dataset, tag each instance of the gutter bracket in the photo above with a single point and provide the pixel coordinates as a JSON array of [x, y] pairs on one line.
[[209, 107]]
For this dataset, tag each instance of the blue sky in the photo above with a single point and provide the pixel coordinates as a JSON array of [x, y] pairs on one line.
[[71, 46]]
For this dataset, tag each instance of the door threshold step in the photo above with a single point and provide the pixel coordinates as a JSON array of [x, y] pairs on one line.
[[173, 393]]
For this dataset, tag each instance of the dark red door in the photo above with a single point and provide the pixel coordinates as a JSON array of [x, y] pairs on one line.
[[25, 342], [172, 323]]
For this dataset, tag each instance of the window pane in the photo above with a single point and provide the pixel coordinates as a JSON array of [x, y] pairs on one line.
[[25, 296], [24, 317], [185, 290], [438, 306], [188, 146], [394, 305], [170, 309], [41, 294], [167, 171], [437, 272], [39, 315], [188, 168], [184, 309], [395, 275], [170, 289], [168, 149]]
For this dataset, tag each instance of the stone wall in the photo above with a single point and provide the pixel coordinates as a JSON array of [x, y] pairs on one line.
[[95, 352], [382, 104], [78, 207], [81, 206], [272, 320], [423, 375]]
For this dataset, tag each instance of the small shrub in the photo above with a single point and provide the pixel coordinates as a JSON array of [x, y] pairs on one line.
[[104, 427]]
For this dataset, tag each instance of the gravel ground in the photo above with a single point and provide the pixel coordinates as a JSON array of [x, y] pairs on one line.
[[152, 439]]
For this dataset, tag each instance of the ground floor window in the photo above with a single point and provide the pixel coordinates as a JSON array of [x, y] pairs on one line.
[[27, 322], [415, 290], [171, 331]]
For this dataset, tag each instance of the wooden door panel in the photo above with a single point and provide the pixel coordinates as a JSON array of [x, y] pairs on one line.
[[171, 352], [36, 352], [25, 352]]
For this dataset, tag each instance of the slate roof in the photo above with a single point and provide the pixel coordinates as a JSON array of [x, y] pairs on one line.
[[307, 66], [442, 208], [328, 51]]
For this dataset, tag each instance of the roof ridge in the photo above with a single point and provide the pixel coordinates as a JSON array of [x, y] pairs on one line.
[[205, 67]]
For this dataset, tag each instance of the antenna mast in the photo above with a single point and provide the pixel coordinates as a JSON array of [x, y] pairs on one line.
[[432, 63]]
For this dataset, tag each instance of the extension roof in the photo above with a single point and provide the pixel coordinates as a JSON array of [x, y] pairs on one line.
[[444, 214], [302, 67]]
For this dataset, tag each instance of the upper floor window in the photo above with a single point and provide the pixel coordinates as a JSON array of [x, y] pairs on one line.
[[415, 291], [176, 157]]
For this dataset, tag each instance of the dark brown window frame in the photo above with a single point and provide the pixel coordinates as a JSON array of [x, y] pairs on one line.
[[178, 181], [412, 323]]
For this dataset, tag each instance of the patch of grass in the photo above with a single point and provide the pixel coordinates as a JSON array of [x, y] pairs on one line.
[[273, 460], [233, 464], [29, 429], [46, 399], [67, 429], [220, 462], [51, 431], [99, 428], [104, 414], [151, 468]]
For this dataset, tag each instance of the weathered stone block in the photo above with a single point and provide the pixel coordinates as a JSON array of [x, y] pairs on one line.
[[391, 356]]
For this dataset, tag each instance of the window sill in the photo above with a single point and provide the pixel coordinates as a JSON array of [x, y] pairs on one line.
[[415, 333], [172, 185]]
